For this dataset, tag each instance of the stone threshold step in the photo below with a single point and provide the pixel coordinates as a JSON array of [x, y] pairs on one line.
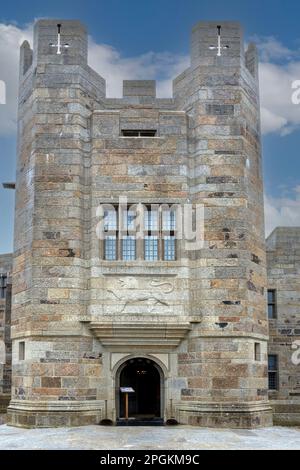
[[140, 422]]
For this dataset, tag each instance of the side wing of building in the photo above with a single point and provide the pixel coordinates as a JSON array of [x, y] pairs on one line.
[[283, 264], [5, 342]]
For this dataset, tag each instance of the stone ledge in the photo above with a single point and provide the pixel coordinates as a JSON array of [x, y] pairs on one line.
[[141, 334], [286, 419], [225, 407], [286, 412], [29, 419], [230, 334], [227, 415], [33, 414], [64, 405]]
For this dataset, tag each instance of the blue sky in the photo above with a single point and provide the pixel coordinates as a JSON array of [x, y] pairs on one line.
[[151, 39]]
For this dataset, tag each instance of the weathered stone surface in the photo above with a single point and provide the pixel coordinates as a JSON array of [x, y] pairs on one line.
[[5, 332], [283, 255], [82, 317]]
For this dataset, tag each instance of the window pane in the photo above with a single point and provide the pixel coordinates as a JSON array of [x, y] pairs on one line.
[[272, 362], [257, 353], [110, 220], [3, 283], [151, 220], [129, 220], [110, 248], [151, 248], [3, 279], [148, 133], [169, 248], [169, 220], [128, 248], [272, 380], [273, 371], [271, 311], [271, 296], [21, 350], [130, 133]]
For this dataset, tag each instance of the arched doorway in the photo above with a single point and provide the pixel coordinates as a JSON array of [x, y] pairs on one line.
[[145, 377]]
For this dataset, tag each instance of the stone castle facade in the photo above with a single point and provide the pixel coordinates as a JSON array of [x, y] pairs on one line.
[[95, 308]]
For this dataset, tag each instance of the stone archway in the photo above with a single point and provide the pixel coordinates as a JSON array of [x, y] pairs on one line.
[[146, 403]]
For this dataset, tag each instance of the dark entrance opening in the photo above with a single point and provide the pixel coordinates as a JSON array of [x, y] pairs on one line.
[[144, 404]]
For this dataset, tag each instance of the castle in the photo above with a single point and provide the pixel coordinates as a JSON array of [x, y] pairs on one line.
[[100, 308]]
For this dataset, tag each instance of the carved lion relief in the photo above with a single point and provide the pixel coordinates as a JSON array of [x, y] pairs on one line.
[[130, 293]]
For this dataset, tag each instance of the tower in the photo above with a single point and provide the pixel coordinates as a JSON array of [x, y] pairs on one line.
[[52, 354], [227, 351], [96, 310]]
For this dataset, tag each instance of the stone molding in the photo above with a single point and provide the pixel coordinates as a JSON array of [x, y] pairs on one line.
[[141, 334], [64, 405]]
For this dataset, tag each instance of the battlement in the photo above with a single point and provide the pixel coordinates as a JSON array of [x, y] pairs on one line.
[[73, 37], [139, 88], [65, 42], [204, 42]]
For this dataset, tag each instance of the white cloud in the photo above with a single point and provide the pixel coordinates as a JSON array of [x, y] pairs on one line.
[[271, 122], [272, 49], [163, 66], [278, 113], [284, 211]]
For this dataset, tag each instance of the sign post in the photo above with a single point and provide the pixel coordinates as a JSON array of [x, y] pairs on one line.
[[126, 391]]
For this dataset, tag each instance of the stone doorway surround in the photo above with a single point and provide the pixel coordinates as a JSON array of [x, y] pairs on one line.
[[147, 364], [161, 363]]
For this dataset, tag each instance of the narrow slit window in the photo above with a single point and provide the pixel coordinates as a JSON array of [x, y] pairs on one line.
[[272, 304], [138, 132], [21, 350], [257, 351], [273, 371], [3, 285]]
